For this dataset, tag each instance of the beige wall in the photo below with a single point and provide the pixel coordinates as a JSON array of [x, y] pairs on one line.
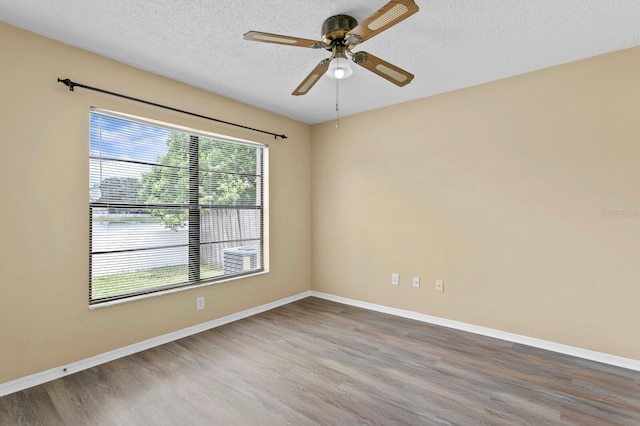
[[500, 191], [44, 317]]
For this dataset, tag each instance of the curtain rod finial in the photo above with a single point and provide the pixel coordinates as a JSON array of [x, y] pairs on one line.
[[70, 84]]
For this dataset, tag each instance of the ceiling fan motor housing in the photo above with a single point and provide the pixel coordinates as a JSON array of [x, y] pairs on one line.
[[335, 28]]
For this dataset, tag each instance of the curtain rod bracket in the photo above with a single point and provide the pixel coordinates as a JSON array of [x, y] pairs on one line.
[[72, 84]]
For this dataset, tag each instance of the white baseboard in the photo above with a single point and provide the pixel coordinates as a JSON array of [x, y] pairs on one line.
[[56, 373], [618, 361]]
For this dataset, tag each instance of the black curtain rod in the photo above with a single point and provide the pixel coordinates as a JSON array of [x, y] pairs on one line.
[[72, 84]]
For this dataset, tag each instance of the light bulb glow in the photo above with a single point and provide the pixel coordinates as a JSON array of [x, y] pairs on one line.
[[339, 68]]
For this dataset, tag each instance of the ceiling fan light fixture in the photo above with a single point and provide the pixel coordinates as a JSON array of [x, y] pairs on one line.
[[340, 35], [339, 68]]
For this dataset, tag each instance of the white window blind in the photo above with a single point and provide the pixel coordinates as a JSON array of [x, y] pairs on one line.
[[170, 208]]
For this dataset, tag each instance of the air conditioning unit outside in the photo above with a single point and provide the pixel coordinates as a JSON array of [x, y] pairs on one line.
[[240, 259]]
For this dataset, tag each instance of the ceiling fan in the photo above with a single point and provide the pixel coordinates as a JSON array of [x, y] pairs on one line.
[[340, 34]]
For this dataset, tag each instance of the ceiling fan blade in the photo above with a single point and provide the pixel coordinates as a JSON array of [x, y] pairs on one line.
[[387, 16], [281, 39], [384, 69], [312, 78]]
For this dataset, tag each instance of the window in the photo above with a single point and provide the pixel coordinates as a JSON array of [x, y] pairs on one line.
[[170, 208]]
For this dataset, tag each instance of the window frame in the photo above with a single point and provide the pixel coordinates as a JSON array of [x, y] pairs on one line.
[[194, 207]]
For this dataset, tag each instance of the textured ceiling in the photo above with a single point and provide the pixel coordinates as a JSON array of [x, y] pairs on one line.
[[448, 44]]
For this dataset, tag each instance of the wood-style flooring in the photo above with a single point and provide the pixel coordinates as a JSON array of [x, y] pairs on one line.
[[320, 362]]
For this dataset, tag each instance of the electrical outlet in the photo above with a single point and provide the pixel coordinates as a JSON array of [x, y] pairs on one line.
[[416, 282], [395, 279], [200, 303], [439, 285]]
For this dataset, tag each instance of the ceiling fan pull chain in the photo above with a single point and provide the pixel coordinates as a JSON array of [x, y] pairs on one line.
[[337, 103]]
